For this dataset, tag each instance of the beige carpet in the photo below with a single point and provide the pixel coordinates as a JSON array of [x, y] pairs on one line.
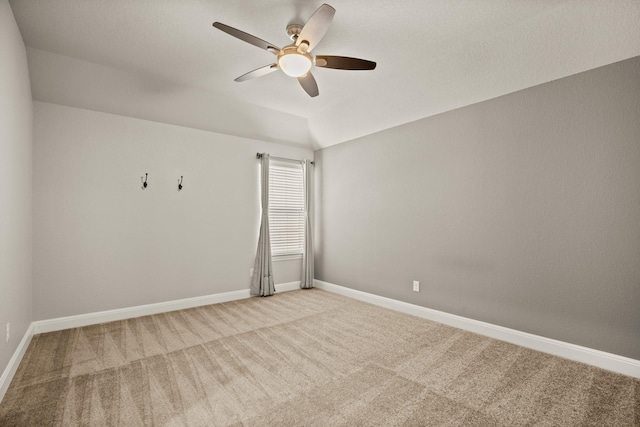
[[303, 358]]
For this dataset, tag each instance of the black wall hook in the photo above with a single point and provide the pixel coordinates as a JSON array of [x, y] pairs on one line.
[[144, 182], [180, 183]]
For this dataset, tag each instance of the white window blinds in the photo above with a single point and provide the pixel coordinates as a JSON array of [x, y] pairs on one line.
[[286, 209]]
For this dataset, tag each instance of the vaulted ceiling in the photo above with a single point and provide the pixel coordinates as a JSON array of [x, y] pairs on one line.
[[162, 60]]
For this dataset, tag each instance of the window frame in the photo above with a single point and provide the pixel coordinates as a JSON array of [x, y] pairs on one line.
[[298, 205]]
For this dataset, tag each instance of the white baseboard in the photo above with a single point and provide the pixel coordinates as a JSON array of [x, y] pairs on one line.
[[14, 362], [60, 323], [289, 286], [601, 359]]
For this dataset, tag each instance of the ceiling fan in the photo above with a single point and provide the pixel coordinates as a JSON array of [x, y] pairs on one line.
[[295, 60]]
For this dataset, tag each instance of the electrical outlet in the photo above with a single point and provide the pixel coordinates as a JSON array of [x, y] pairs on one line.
[[7, 332], [416, 286], [251, 272]]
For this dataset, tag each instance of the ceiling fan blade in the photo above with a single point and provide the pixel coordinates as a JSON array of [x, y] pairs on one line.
[[344, 63], [246, 37], [316, 27], [258, 72], [308, 83]]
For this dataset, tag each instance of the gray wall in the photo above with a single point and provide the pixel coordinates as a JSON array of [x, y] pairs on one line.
[[522, 211], [15, 186], [100, 242]]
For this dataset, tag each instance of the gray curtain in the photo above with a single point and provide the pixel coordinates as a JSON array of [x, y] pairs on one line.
[[307, 256], [262, 280]]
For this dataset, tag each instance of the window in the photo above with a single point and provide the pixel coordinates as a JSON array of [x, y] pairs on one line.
[[286, 209]]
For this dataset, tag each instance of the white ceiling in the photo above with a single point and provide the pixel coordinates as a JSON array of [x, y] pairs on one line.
[[162, 60]]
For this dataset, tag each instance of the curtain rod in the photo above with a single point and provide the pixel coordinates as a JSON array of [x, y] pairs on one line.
[[282, 159]]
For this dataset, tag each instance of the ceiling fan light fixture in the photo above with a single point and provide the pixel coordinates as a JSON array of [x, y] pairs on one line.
[[295, 60], [294, 63]]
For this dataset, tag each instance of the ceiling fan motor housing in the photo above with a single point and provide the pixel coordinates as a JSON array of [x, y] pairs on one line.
[[293, 30]]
